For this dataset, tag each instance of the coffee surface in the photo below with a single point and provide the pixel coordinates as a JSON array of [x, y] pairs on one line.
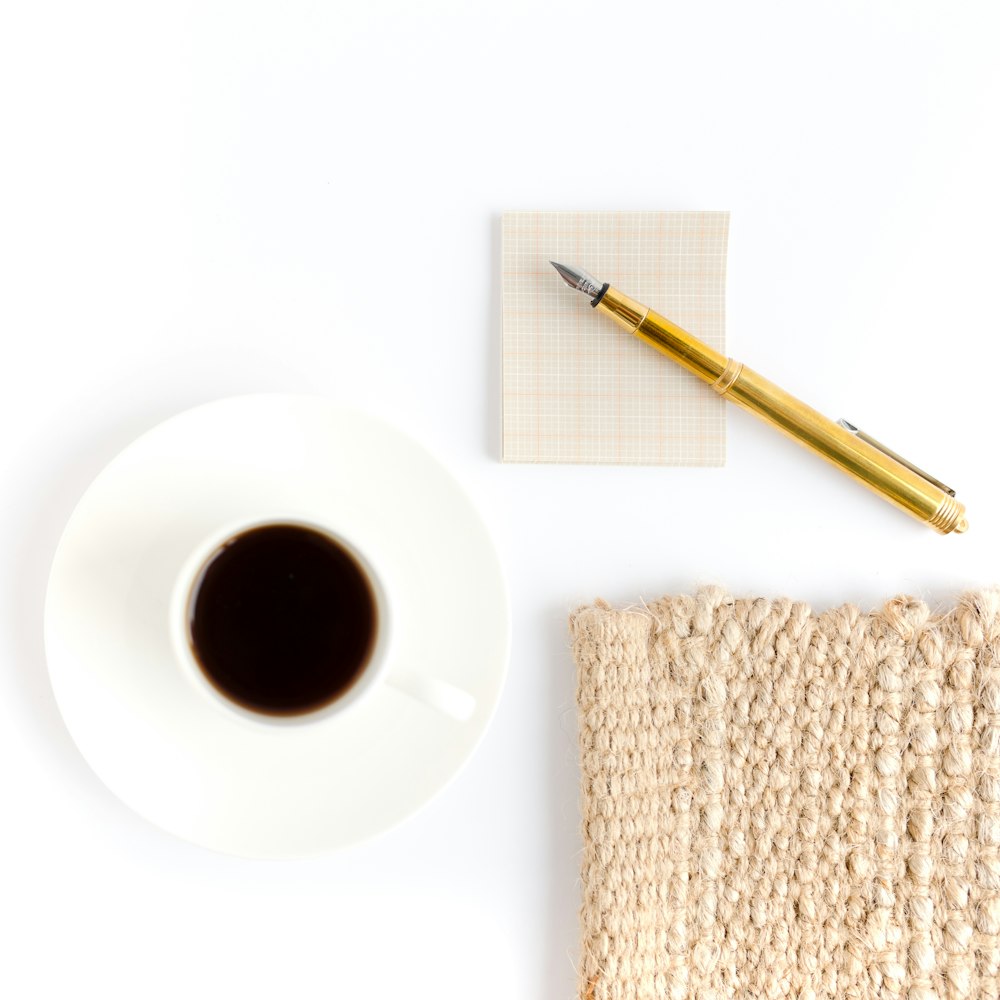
[[283, 620]]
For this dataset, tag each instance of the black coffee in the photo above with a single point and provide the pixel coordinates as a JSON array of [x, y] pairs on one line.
[[282, 620]]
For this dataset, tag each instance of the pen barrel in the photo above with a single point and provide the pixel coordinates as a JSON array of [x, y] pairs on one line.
[[881, 473], [666, 337], [871, 467]]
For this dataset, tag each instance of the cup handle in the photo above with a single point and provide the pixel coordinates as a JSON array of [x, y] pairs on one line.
[[436, 694]]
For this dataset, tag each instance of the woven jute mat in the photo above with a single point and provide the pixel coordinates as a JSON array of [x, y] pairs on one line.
[[783, 804]]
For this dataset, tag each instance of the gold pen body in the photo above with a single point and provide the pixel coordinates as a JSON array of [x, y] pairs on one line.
[[879, 471]]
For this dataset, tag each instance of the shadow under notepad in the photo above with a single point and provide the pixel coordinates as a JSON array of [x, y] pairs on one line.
[[494, 355]]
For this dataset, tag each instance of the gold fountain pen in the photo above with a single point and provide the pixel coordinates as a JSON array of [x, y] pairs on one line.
[[842, 444]]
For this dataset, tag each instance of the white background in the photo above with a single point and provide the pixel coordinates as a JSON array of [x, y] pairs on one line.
[[200, 199]]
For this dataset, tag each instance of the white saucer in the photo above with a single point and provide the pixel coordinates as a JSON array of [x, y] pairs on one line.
[[186, 762]]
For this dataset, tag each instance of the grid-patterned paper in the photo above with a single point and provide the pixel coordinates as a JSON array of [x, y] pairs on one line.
[[576, 387]]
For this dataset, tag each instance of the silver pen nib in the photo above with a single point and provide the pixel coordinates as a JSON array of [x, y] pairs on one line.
[[578, 278]]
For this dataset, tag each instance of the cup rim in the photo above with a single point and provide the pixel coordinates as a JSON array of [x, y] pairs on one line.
[[183, 594]]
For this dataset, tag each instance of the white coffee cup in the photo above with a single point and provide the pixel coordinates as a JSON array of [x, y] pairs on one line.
[[436, 694]]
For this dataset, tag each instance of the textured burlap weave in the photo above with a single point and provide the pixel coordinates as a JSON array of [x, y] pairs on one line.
[[783, 804]]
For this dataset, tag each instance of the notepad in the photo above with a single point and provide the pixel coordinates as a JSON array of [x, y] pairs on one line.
[[578, 389]]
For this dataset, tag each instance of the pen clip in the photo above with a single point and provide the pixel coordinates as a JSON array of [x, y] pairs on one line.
[[848, 426]]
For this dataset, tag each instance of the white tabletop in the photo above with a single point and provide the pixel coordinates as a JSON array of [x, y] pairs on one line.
[[200, 200]]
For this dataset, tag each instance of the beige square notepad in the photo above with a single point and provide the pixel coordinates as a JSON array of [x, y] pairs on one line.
[[576, 388]]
